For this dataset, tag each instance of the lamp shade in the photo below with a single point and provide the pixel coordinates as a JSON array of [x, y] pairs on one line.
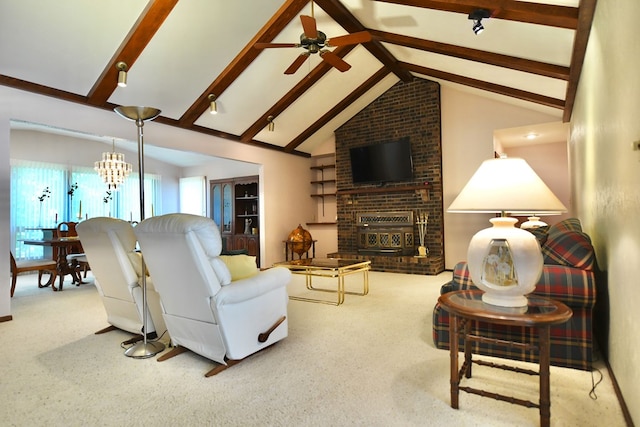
[[507, 185], [505, 262]]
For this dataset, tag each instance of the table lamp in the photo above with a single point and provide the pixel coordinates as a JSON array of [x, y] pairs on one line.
[[504, 261]]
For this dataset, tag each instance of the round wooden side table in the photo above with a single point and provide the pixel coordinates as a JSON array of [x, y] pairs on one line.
[[466, 307]]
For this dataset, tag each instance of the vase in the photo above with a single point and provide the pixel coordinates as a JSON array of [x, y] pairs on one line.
[[422, 251]]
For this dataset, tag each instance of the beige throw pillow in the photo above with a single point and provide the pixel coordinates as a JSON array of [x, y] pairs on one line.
[[240, 266]]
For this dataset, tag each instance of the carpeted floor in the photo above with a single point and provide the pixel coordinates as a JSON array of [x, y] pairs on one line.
[[368, 362]]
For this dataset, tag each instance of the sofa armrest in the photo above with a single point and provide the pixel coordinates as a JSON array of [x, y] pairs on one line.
[[573, 286], [461, 279]]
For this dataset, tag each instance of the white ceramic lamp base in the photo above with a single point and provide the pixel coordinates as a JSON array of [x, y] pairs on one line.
[[505, 262]]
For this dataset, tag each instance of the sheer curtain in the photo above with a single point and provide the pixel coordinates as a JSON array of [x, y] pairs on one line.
[[128, 197], [87, 200], [44, 194], [38, 196]]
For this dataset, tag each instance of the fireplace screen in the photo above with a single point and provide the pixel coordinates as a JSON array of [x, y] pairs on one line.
[[385, 233]]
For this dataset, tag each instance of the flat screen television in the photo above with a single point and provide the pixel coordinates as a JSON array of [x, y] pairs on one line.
[[382, 163]]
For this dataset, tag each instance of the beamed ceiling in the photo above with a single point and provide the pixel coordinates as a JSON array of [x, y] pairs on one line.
[[181, 51]]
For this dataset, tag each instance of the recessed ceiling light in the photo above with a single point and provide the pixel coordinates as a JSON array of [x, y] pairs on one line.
[[531, 135]]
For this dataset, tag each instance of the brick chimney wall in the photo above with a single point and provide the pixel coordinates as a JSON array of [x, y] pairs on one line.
[[406, 110]]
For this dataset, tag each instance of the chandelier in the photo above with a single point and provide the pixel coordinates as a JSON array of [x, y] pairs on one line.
[[112, 168]]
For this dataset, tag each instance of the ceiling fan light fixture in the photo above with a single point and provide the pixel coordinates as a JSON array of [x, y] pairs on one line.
[[213, 107], [272, 125], [122, 73], [477, 16]]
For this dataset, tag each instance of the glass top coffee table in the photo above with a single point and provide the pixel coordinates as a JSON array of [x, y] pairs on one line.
[[332, 268]]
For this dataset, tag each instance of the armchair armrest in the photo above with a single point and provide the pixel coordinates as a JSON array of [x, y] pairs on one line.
[[252, 287]]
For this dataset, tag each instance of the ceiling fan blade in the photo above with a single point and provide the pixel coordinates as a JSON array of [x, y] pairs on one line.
[[355, 38], [297, 63], [270, 45], [309, 26], [334, 60]]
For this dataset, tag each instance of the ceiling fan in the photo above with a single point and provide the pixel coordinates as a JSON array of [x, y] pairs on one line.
[[314, 41]]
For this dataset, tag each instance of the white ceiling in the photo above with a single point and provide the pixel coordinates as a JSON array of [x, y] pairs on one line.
[[67, 49]]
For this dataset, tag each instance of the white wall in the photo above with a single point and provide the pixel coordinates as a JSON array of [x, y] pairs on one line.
[[606, 177], [550, 161], [468, 123]]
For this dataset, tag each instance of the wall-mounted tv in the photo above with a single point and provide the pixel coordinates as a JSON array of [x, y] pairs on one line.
[[382, 163]]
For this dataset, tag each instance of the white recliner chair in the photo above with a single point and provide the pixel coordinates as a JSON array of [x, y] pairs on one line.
[[110, 247], [205, 311]]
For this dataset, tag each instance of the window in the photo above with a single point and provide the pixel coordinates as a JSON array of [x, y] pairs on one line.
[[44, 194], [193, 194]]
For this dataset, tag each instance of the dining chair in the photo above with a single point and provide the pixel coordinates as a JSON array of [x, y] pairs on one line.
[[40, 265], [75, 253]]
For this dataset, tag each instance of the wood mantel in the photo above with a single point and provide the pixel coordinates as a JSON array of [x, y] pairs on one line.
[[422, 190]]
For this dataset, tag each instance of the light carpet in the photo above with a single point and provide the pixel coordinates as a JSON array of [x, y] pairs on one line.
[[368, 362]]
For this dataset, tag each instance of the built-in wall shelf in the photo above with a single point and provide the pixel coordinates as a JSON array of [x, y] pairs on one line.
[[323, 181], [323, 167]]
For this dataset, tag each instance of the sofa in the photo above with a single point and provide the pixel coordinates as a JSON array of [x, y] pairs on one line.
[[567, 276]]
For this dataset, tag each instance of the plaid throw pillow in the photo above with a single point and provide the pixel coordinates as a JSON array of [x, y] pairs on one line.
[[540, 233], [569, 248], [569, 224]]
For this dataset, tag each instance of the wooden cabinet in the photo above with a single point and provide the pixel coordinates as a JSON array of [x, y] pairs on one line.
[[221, 194], [235, 205]]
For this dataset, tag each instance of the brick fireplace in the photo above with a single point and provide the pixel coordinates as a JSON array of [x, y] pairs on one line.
[[406, 110]]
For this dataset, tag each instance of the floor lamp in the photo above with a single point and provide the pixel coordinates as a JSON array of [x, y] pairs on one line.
[[143, 349]]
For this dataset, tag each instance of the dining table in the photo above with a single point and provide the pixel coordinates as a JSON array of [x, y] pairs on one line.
[[64, 264]]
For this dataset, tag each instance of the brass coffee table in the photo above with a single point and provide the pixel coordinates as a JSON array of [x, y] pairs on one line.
[[332, 268]]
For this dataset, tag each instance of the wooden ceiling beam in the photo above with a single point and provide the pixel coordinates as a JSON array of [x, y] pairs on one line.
[[296, 92], [226, 136], [338, 108], [136, 41], [585, 19], [490, 87], [490, 58], [336, 10], [532, 13], [287, 12]]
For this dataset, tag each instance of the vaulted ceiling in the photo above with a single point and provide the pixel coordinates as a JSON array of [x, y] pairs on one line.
[[179, 52]]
